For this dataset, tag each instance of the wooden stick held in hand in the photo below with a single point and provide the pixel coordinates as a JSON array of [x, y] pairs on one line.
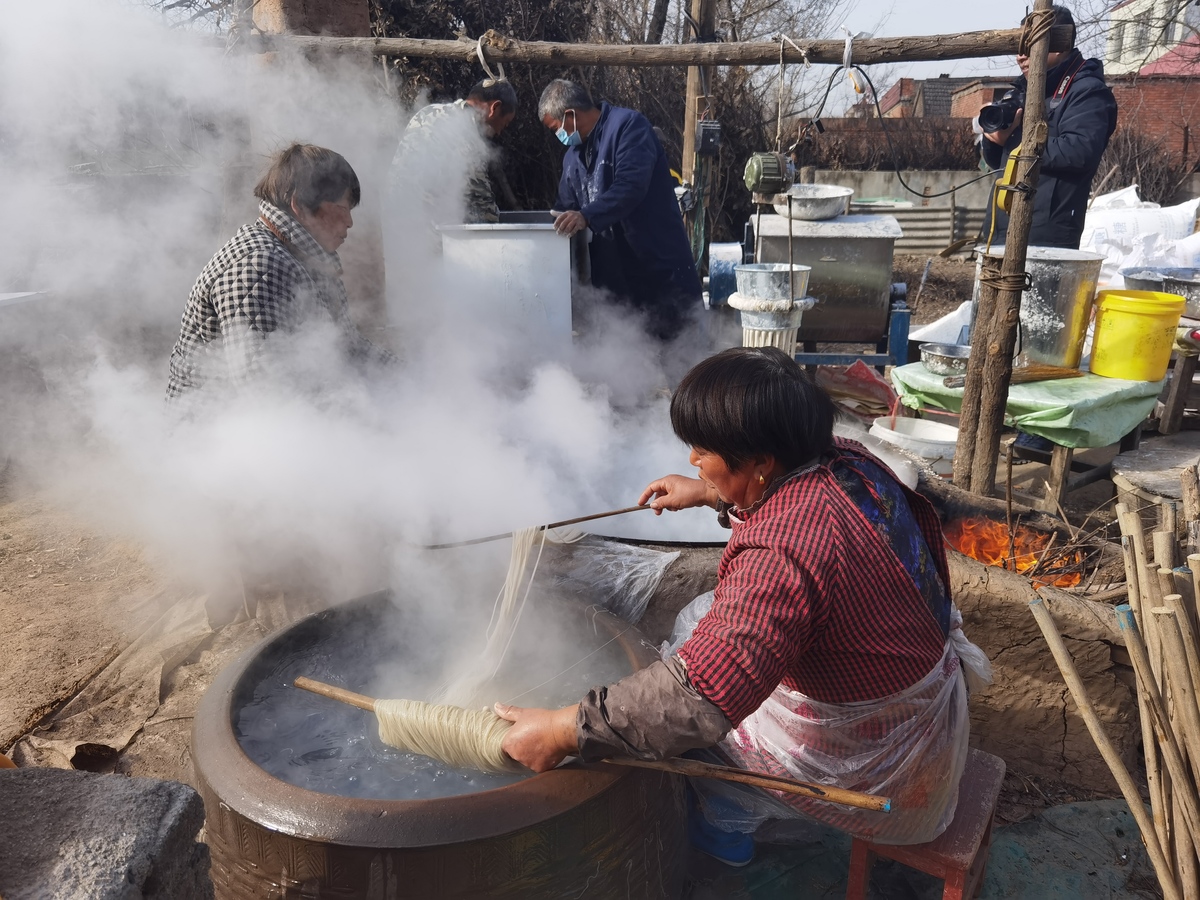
[[562, 524], [677, 766]]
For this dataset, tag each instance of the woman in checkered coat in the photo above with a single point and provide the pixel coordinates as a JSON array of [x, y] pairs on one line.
[[830, 651], [277, 274]]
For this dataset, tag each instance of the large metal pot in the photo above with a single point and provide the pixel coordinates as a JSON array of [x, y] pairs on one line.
[[1057, 307], [595, 830]]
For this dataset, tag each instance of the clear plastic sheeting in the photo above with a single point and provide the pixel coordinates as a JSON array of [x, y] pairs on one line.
[[621, 578], [685, 623], [910, 747]]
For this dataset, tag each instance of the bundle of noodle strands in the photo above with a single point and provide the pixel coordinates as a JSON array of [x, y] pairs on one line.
[[448, 731], [463, 738]]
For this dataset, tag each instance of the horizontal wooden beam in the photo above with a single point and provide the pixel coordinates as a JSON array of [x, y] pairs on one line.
[[498, 49]]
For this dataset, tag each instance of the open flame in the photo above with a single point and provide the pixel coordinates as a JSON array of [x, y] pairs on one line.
[[988, 541]]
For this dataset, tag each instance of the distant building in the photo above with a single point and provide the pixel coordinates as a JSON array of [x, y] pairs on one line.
[[897, 101], [1141, 32], [966, 102], [929, 98]]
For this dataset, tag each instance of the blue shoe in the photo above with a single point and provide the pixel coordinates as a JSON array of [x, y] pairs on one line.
[[734, 848]]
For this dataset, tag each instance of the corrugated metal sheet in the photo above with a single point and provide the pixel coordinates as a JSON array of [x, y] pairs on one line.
[[930, 229]]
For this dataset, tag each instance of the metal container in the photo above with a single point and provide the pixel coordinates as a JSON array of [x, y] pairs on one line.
[[723, 260], [1186, 284], [1057, 308], [851, 261], [516, 274], [772, 281], [580, 829], [813, 202], [945, 359]]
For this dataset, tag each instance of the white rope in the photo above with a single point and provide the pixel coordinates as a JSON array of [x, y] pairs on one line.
[[493, 78], [802, 51]]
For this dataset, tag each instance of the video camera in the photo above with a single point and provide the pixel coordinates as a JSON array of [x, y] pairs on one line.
[[1000, 115]]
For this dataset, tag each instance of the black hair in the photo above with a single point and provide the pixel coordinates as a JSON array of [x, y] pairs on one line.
[[753, 400], [309, 175], [492, 89]]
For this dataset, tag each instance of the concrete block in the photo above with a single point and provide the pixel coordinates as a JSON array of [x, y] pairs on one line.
[[66, 834]]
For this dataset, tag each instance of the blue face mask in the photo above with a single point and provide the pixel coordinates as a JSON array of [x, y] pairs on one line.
[[574, 139]]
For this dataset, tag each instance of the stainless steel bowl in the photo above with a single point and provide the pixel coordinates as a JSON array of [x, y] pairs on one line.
[[814, 202], [945, 359], [1186, 284]]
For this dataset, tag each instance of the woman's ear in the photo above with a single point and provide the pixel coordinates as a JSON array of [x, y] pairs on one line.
[[764, 462]]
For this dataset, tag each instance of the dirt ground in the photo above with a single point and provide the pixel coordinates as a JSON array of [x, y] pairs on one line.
[[70, 601], [948, 284]]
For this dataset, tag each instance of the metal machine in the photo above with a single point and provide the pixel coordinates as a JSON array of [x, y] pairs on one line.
[[851, 261]]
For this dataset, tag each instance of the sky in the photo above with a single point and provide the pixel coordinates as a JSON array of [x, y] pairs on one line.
[[888, 18]]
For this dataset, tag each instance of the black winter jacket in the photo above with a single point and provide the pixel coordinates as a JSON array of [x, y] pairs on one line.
[[1080, 121]]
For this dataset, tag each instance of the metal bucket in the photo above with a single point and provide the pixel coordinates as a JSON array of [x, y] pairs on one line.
[[772, 281], [1056, 309]]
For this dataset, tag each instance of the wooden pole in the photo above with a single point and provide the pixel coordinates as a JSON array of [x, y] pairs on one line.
[[999, 343], [1149, 745], [1185, 723], [1190, 484], [1108, 751], [1162, 723], [562, 524], [498, 48], [694, 768], [1164, 548], [1183, 693], [704, 14], [968, 414]]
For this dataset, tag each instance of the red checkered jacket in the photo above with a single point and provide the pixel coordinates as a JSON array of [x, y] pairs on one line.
[[810, 595]]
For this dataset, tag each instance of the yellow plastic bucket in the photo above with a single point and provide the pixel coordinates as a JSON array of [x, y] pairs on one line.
[[1134, 333]]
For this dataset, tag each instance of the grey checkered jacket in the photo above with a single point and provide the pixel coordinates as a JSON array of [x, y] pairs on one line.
[[254, 286]]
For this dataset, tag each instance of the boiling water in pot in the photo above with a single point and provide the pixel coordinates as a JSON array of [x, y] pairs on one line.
[[560, 650]]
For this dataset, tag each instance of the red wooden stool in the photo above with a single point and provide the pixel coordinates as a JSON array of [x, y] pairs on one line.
[[960, 854]]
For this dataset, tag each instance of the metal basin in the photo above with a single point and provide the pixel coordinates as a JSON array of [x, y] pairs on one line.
[[813, 202], [945, 359], [579, 829], [1186, 284]]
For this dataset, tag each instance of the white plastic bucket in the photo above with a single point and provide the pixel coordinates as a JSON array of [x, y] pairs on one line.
[[932, 441]]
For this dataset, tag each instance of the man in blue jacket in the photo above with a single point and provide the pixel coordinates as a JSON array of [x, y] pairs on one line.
[[1081, 115], [617, 183]]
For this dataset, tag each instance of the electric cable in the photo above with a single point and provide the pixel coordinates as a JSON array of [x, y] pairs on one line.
[[887, 136]]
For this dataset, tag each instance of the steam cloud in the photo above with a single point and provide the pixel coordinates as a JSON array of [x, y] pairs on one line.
[[128, 151]]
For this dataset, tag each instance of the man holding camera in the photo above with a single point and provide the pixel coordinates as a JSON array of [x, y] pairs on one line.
[[1081, 115]]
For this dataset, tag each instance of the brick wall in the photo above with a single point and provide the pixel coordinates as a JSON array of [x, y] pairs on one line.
[[897, 100], [1166, 108], [967, 103]]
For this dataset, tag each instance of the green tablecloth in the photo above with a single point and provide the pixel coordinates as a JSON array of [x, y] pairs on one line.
[[1073, 412]]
